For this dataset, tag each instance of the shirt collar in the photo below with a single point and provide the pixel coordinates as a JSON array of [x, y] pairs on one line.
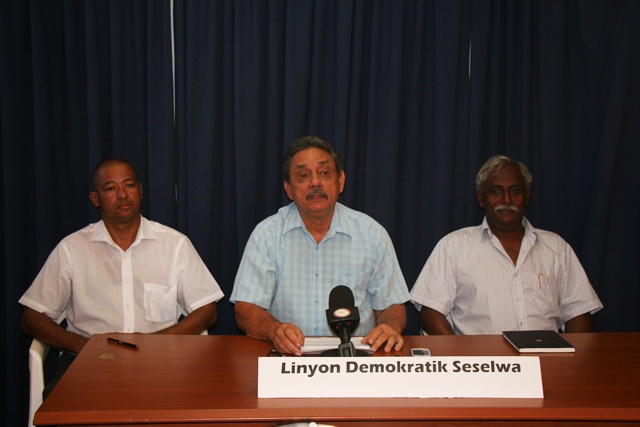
[[339, 224], [145, 232], [529, 231]]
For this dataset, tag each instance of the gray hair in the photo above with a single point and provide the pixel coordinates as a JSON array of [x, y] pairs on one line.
[[492, 167], [308, 142]]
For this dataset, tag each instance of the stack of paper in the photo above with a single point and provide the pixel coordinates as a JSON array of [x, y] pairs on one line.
[[313, 345]]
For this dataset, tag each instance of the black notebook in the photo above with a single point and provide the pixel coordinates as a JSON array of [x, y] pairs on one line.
[[538, 342]]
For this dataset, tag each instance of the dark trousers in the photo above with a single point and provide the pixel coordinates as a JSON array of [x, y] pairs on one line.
[[64, 361]]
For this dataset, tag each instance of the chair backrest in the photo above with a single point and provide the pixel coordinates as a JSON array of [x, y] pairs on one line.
[[37, 354]]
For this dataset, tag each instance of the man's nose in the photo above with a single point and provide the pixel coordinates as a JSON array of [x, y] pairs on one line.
[[315, 180]]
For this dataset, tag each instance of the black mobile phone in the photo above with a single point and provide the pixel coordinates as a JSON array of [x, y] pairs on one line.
[[420, 352]]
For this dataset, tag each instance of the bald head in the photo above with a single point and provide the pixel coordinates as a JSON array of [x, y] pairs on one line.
[[97, 171]]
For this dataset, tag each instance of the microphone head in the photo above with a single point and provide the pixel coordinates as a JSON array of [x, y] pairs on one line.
[[341, 296], [342, 315]]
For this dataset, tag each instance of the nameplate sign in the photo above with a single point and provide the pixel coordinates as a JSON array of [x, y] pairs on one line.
[[317, 377]]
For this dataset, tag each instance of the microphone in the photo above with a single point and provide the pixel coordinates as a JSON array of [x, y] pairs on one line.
[[343, 318]]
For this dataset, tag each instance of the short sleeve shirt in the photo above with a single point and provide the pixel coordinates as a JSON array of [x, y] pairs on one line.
[[284, 271], [470, 278], [105, 289]]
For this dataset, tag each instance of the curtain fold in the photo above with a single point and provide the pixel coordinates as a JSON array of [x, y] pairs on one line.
[[79, 81], [385, 82], [611, 245]]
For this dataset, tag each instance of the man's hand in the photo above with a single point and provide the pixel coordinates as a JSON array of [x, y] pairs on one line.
[[288, 339], [46, 330], [434, 323], [381, 334], [258, 323], [195, 322], [581, 323], [390, 324]]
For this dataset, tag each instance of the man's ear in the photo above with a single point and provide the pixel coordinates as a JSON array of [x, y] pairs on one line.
[[479, 199], [94, 199], [287, 189]]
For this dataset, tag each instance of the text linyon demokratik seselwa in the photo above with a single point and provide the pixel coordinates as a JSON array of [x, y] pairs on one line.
[[457, 366]]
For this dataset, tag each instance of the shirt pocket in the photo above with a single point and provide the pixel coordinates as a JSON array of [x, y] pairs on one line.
[[543, 294], [356, 281], [160, 302]]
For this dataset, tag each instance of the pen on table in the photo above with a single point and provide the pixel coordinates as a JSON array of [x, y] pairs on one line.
[[126, 344]]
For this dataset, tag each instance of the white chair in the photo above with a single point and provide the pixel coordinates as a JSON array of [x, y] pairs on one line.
[[37, 355]]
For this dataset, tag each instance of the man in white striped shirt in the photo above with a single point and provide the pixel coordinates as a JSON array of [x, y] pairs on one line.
[[503, 274]]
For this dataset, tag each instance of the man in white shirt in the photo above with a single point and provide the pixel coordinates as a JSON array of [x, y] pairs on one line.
[[503, 274], [122, 274]]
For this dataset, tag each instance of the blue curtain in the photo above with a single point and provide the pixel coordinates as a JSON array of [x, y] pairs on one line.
[[79, 81], [556, 85], [414, 94], [381, 80]]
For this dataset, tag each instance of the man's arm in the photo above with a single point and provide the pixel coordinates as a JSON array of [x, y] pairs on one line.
[[43, 328], [434, 323], [581, 323], [258, 323], [195, 322], [390, 324]]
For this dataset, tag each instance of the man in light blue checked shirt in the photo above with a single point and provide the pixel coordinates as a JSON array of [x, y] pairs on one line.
[[294, 259]]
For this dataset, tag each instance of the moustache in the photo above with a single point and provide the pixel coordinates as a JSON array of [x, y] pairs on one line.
[[505, 208], [316, 192]]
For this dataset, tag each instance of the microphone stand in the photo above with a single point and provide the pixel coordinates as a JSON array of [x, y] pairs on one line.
[[346, 347]]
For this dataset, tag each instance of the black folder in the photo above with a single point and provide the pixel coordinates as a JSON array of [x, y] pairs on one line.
[[538, 342]]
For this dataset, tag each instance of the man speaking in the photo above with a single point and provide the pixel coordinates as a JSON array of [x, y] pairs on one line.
[[294, 259]]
